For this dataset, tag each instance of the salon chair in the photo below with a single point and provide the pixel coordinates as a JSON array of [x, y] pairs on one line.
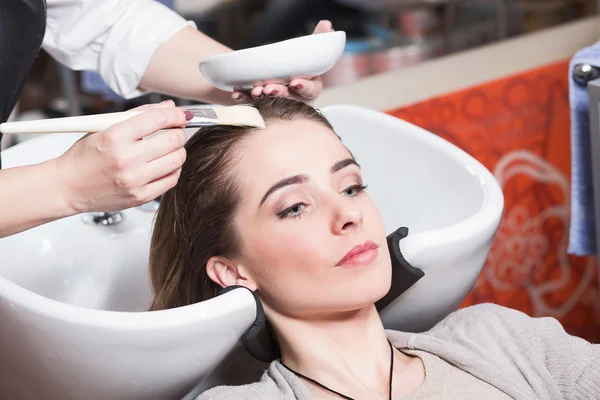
[[73, 294]]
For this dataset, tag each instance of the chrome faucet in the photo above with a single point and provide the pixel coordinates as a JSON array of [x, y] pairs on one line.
[[103, 218], [114, 218]]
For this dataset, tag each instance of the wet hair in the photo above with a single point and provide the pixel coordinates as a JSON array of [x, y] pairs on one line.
[[195, 220]]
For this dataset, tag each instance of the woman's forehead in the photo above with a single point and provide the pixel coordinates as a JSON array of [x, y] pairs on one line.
[[287, 148], [287, 142]]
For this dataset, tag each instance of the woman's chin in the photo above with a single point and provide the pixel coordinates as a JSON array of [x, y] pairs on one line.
[[377, 280], [369, 288]]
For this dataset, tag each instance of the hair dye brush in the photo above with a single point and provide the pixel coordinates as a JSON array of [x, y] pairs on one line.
[[203, 116]]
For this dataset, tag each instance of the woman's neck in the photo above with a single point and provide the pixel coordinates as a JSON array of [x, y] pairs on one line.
[[340, 351]]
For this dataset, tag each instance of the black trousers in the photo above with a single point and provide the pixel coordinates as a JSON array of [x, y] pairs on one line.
[[22, 26]]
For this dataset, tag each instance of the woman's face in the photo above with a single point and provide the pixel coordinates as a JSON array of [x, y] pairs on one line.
[[303, 211]]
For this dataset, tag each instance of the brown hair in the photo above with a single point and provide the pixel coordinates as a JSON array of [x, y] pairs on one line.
[[195, 218]]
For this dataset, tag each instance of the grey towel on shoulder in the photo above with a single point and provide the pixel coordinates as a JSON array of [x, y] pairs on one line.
[[526, 358]]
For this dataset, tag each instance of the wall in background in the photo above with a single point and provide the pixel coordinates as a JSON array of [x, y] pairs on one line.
[[518, 127], [464, 70]]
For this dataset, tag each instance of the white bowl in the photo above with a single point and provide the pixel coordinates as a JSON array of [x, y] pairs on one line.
[[303, 57]]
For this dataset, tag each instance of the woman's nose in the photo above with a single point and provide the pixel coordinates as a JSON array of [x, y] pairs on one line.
[[347, 215]]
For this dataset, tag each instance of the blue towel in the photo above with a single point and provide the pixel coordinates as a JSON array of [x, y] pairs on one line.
[[582, 235]]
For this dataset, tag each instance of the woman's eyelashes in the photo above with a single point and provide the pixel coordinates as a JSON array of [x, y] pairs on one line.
[[292, 212], [354, 190], [296, 210]]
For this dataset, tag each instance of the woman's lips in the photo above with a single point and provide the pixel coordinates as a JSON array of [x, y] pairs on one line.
[[362, 254]]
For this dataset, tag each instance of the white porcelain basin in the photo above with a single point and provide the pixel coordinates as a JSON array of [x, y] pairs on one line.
[[73, 295], [451, 204], [60, 285]]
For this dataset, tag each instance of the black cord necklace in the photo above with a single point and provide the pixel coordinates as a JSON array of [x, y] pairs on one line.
[[343, 396]]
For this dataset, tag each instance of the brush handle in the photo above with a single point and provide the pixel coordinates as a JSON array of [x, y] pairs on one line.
[[86, 123]]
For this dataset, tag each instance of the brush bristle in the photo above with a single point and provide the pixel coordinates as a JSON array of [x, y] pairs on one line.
[[240, 116]]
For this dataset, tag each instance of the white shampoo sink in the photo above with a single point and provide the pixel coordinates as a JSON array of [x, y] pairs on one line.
[[73, 295]]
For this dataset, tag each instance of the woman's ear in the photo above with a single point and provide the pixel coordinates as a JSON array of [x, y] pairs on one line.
[[226, 272]]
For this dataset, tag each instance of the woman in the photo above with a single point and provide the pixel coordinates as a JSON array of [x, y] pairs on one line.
[[136, 46], [283, 211]]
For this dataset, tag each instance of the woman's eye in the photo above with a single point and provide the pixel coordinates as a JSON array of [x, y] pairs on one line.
[[353, 190], [292, 211]]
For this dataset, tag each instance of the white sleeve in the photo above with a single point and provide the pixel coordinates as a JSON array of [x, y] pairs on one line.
[[116, 38]]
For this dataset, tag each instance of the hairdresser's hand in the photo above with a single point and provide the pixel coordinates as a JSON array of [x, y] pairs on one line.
[[116, 169], [300, 89]]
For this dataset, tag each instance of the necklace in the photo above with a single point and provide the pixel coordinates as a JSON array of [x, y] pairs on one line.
[[343, 396]]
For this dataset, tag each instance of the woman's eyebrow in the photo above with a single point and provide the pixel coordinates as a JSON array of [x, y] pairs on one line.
[[298, 179], [292, 180], [343, 164]]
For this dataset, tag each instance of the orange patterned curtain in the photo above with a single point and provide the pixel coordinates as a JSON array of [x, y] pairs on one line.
[[518, 127]]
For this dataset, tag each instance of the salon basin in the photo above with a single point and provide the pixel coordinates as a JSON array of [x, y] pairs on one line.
[[450, 203], [73, 294]]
